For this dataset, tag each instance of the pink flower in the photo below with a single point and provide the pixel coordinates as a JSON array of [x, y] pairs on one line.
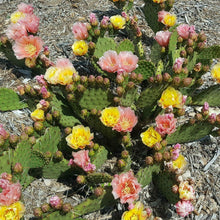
[[40, 80], [27, 46], [93, 20], [166, 124], [109, 61], [45, 94], [177, 146], [184, 30], [177, 66], [56, 202], [28, 9], [104, 22], [6, 176], [11, 192], [184, 208], [205, 106], [63, 63], [127, 62], [16, 31], [79, 30], [3, 132], [127, 120], [126, 187], [81, 159], [31, 23], [163, 38], [161, 15]]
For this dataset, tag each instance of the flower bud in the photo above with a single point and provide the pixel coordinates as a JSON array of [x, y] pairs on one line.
[[17, 168], [24, 136], [175, 189], [81, 88], [121, 163], [189, 50], [27, 88], [201, 45], [83, 79], [91, 153], [106, 82], [38, 125], [199, 116], [56, 202], [163, 143], [84, 113], [218, 118], [205, 68], [139, 77], [192, 121], [180, 39], [56, 114], [69, 87], [187, 81], [37, 212], [29, 130], [119, 79], [96, 146], [190, 42], [13, 139], [120, 91], [48, 155], [49, 117], [58, 156], [32, 140], [75, 77], [166, 77], [91, 79], [202, 36], [159, 78], [212, 118], [124, 154], [126, 139], [97, 32], [67, 207], [93, 111], [181, 111], [99, 79], [4, 39], [21, 90], [133, 76], [45, 207], [183, 53], [158, 157], [70, 97], [166, 155], [157, 146], [116, 99], [99, 191], [91, 45], [197, 67], [81, 179], [170, 3], [30, 62], [149, 160], [176, 80], [185, 70]]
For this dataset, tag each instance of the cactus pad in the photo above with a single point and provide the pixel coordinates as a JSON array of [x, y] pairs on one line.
[[100, 157], [6, 160], [128, 99], [145, 68], [210, 53], [9, 100], [97, 178], [125, 45]]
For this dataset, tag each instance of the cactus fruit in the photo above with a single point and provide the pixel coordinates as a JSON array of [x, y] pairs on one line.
[[164, 182], [9, 100], [145, 175], [184, 132]]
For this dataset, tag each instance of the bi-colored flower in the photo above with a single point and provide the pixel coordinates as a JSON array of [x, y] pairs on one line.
[[186, 191], [184, 30], [171, 97], [127, 120], [79, 30], [166, 18], [81, 159], [177, 66], [150, 137], [11, 192], [61, 73], [109, 61], [28, 46], [163, 38], [80, 48], [127, 62], [110, 116], [118, 22], [126, 187], [12, 212], [180, 163], [16, 16], [216, 72], [80, 137], [31, 22], [38, 115], [166, 124], [159, 1], [137, 213], [16, 31], [175, 152], [184, 208]]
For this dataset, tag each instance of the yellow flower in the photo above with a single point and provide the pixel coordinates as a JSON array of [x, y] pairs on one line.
[[118, 22], [186, 191], [137, 213], [80, 137], [38, 115], [159, 1], [169, 20], [150, 137], [80, 48], [180, 162], [171, 97], [12, 212], [64, 76], [216, 72], [16, 16], [110, 116], [51, 75]]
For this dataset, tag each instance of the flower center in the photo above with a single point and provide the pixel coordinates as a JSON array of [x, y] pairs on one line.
[[30, 49], [10, 215], [134, 217]]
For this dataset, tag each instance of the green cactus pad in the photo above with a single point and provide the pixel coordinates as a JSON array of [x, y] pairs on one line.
[[9, 100], [145, 175], [173, 45], [125, 45], [210, 95], [99, 157], [57, 216], [192, 61], [93, 203], [103, 45], [188, 133], [210, 53], [164, 182], [146, 68], [95, 98], [97, 178], [66, 115], [155, 55], [6, 161], [49, 141], [160, 67], [128, 99]]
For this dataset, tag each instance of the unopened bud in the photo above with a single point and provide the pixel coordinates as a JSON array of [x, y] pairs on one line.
[[181, 111], [180, 39], [212, 118], [56, 202], [21, 90], [189, 50], [166, 77], [32, 140], [29, 130], [157, 146], [17, 168], [183, 53], [69, 87], [83, 79], [200, 82], [106, 82], [199, 116], [140, 77], [37, 212], [91, 79], [190, 42], [99, 79], [218, 118], [201, 45], [187, 81], [121, 163], [91, 45], [48, 154], [133, 76], [166, 155], [170, 3], [4, 39], [159, 78], [97, 32], [130, 85], [75, 77], [81, 88], [91, 153], [49, 117], [96, 146], [94, 111], [185, 70], [30, 62], [84, 112], [158, 157], [98, 191], [163, 143], [24, 136], [67, 207], [58, 156], [56, 114], [120, 91], [116, 99], [70, 97], [13, 139], [124, 154], [197, 67], [119, 79], [192, 121], [125, 139], [205, 68], [175, 189], [45, 207], [176, 81], [27, 88], [38, 125], [81, 179], [149, 160]]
